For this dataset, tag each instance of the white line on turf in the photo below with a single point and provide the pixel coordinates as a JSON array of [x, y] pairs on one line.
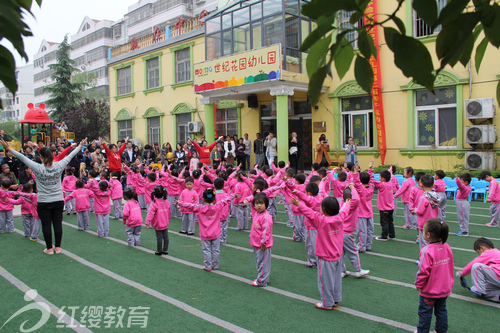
[[268, 288], [181, 305], [54, 310]]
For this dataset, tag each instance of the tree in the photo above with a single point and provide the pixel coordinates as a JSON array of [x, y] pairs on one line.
[[64, 93], [13, 28], [88, 119], [461, 26], [90, 81]]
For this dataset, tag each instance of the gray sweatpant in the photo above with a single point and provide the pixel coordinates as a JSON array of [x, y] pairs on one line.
[[288, 210], [463, 212], [174, 210], [35, 232], [242, 216], [407, 214], [211, 252], [70, 205], [330, 282], [442, 205], [142, 201], [299, 228], [351, 250], [263, 263], [28, 222], [494, 213], [92, 205], [421, 240], [414, 220], [83, 220], [134, 235], [102, 222], [365, 233], [6, 220], [312, 259], [395, 206], [272, 208], [486, 281], [223, 230], [187, 223], [117, 206]]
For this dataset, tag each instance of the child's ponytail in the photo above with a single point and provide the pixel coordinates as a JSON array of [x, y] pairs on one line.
[[437, 228]]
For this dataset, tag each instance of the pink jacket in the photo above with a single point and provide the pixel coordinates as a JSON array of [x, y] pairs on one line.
[[219, 196], [159, 214], [150, 186], [385, 199], [338, 186], [116, 189], [140, 184], [415, 194], [365, 208], [463, 191], [439, 185], [329, 239], [69, 183], [208, 217], [490, 258], [243, 190], [424, 211], [395, 183], [188, 197], [494, 195], [82, 196], [435, 271], [132, 215], [405, 189], [351, 220], [30, 201], [102, 204], [261, 232], [6, 206], [174, 186], [312, 202]]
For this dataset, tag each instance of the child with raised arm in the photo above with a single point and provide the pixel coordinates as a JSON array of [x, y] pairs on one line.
[[188, 196], [68, 186], [174, 188], [493, 197], [440, 190], [395, 185], [241, 208], [329, 223], [82, 198], [220, 195], [385, 204], [6, 208], [404, 192], [462, 202], [365, 228], [415, 195], [435, 276], [338, 184], [427, 206], [116, 194], [132, 217], [31, 221], [159, 218]]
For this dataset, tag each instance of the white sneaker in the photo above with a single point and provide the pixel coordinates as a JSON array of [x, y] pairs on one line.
[[346, 273], [361, 273]]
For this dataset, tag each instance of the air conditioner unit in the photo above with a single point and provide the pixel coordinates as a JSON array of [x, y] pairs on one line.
[[195, 127], [480, 160], [479, 108], [189, 6], [476, 134]]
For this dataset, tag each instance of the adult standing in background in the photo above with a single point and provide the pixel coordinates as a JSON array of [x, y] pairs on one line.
[[128, 153], [50, 201], [230, 149], [295, 149], [248, 151], [351, 149], [322, 149], [204, 150], [240, 154], [271, 151], [258, 149]]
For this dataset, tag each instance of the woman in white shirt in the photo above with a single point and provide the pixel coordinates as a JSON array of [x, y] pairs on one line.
[[229, 148]]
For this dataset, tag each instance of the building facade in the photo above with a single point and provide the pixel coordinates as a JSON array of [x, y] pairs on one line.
[[15, 105], [46, 56]]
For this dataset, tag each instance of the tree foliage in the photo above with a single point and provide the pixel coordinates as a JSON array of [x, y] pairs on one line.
[[12, 128], [462, 23], [89, 118], [90, 83], [64, 93], [13, 28]]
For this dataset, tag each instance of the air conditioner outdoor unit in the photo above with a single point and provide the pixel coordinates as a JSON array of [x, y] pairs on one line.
[[189, 6], [195, 127], [480, 160], [479, 108], [480, 134]]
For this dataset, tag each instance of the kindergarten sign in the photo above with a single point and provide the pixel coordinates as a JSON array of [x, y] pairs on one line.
[[243, 68]]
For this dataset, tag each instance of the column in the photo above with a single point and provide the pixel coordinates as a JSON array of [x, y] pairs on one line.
[[209, 103], [282, 93]]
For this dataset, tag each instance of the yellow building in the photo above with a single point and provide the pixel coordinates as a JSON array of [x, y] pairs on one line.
[[153, 84]]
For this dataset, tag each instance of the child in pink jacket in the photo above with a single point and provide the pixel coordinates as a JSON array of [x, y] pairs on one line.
[[329, 247], [385, 204], [435, 276], [209, 219], [243, 190], [159, 218], [116, 194], [68, 186], [82, 204], [31, 220], [224, 216], [440, 190], [404, 192], [493, 198], [427, 206], [132, 218], [365, 228], [102, 207], [462, 203], [188, 195], [6, 208]]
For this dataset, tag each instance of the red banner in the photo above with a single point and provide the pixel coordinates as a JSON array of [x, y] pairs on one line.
[[378, 105]]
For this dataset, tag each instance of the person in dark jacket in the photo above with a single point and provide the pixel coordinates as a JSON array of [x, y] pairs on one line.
[[295, 147], [149, 155]]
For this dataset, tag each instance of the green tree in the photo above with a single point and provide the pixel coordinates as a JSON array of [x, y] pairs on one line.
[[64, 93], [89, 118], [462, 22], [13, 28], [91, 92]]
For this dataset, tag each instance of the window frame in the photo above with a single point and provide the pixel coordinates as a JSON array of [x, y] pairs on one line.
[[436, 108], [160, 87], [369, 127], [225, 122], [173, 50], [122, 66], [412, 18], [127, 130]]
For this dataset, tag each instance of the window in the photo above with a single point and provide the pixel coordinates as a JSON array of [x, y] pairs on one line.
[[86, 27], [96, 54], [436, 117], [124, 129], [183, 65], [344, 23], [357, 120], [154, 130], [124, 80], [17, 100], [44, 48], [182, 120], [420, 28], [227, 121], [153, 73]]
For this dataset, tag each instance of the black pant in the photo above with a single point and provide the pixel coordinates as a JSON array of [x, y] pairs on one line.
[[294, 162], [386, 221], [162, 239], [51, 214], [241, 160]]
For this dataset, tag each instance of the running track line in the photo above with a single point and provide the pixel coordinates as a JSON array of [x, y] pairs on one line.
[[54, 310], [246, 281], [181, 305]]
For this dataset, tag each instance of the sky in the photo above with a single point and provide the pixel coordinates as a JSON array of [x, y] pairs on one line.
[[55, 18]]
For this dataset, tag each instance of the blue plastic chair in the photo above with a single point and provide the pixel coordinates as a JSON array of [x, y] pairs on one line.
[[447, 178], [376, 176], [451, 188], [480, 187]]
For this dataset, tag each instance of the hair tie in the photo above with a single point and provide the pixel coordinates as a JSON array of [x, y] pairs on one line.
[[209, 195], [441, 222]]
